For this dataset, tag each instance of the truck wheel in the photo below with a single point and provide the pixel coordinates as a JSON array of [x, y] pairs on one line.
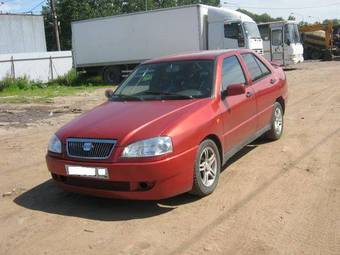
[[112, 75], [207, 169], [315, 55], [276, 130]]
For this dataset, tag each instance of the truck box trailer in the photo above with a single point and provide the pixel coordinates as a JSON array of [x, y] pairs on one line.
[[114, 45]]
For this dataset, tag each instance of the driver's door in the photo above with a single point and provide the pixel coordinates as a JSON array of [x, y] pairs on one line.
[[277, 46], [233, 35]]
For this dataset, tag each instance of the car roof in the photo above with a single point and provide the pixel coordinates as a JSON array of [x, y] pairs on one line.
[[197, 55]]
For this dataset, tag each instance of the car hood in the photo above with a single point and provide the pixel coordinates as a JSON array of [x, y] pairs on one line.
[[128, 121]]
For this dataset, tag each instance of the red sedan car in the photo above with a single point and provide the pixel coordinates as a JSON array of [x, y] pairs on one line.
[[170, 126]]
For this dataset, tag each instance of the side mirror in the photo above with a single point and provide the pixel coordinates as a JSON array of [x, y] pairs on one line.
[[108, 93], [234, 90]]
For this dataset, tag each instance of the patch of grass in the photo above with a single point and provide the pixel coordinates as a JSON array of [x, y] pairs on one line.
[[41, 95], [23, 90]]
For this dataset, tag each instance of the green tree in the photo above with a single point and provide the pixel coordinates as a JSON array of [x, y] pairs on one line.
[[291, 17], [260, 18]]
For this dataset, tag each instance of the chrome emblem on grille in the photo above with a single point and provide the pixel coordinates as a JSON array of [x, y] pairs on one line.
[[87, 146]]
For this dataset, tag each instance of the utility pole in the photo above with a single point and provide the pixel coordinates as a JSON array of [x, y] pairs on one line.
[[55, 24], [146, 5]]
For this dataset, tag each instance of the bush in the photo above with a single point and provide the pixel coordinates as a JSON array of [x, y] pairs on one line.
[[22, 83], [69, 79]]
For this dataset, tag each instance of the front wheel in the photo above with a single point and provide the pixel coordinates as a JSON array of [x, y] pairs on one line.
[[207, 169], [276, 130]]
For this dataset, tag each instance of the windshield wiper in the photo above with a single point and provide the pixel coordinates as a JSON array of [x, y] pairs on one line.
[[126, 97], [166, 94]]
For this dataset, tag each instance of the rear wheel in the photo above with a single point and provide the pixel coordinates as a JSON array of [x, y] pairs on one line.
[[112, 75], [276, 130], [207, 169]]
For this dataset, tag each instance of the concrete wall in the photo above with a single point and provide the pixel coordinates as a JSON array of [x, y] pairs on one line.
[[42, 66], [21, 33]]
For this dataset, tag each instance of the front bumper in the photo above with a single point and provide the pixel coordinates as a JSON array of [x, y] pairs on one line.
[[130, 180]]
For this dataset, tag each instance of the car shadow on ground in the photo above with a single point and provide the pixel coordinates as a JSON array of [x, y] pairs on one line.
[[48, 197]]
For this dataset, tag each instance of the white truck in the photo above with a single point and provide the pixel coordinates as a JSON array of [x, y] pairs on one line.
[[113, 46], [281, 42]]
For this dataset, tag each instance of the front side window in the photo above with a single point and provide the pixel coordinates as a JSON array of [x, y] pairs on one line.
[[233, 30], [255, 66], [232, 72], [169, 80]]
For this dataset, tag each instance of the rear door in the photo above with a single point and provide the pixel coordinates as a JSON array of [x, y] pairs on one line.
[[264, 84], [238, 111], [277, 46]]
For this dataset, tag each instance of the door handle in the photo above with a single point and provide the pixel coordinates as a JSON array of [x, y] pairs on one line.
[[249, 94], [272, 81]]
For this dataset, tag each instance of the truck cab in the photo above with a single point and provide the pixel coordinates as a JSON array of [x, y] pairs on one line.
[[281, 42], [228, 29]]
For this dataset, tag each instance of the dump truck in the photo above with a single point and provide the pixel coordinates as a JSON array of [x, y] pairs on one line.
[[113, 46], [320, 41]]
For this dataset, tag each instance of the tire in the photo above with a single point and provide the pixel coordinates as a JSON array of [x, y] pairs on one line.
[[315, 55], [277, 122], [206, 175], [112, 75]]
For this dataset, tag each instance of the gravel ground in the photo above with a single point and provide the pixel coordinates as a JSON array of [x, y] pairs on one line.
[[273, 198]]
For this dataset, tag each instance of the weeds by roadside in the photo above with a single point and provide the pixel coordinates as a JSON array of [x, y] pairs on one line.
[[24, 90]]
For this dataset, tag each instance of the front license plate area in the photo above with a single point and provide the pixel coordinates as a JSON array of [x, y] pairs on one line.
[[94, 172]]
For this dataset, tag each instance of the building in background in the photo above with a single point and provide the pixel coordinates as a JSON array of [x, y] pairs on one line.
[[23, 50], [22, 33]]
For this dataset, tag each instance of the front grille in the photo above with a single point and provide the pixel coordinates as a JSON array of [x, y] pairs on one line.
[[89, 148]]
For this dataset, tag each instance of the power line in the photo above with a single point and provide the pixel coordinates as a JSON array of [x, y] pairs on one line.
[[283, 8], [36, 6]]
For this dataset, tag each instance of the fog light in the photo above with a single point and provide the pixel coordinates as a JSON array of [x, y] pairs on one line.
[[102, 172]]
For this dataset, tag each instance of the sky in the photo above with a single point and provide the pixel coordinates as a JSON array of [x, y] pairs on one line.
[[302, 10]]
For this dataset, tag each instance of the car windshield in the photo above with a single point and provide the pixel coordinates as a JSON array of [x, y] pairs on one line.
[[252, 30], [178, 80], [292, 33]]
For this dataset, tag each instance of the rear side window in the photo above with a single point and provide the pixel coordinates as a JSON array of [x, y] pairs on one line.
[[265, 70], [255, 66], [232, 72]]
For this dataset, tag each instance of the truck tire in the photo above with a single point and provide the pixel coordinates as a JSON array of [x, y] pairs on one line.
[[316, 54], [207, 169], [112, 75]]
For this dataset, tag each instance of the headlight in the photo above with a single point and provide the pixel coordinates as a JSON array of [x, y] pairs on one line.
[[148, 148], [54, 145]]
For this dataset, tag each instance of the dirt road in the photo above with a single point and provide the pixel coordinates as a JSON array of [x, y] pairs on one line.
[[273, 198]]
